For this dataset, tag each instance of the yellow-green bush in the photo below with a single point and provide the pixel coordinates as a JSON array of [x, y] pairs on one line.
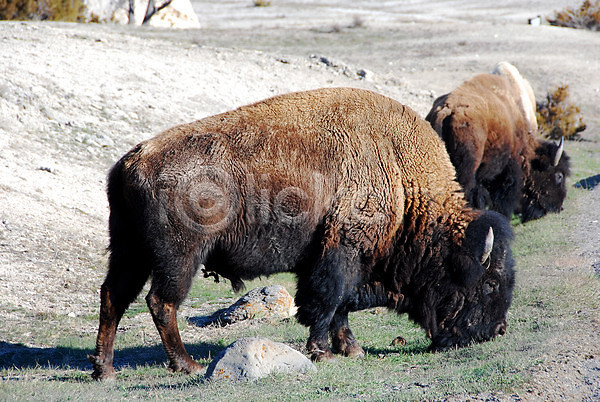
[[586, 16], [17, 9], [53, 10], [556, 117]]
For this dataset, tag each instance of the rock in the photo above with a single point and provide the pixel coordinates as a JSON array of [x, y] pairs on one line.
[[365, 74], [102, 9], [254, 358], [268, 302], [179, 14], [340, 68]]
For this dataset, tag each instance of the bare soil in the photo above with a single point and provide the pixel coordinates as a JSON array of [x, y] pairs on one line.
[[73, 98]]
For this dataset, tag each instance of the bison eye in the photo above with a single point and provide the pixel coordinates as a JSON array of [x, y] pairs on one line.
[[558, 177], [490, 287]]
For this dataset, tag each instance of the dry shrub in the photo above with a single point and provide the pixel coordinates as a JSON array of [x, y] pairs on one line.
[[17, 9], [53, 10], [557, 117], [262, 3], [586, 16]]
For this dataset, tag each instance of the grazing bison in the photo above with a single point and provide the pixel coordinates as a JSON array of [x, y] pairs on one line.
[[488, 124], [348, 189]]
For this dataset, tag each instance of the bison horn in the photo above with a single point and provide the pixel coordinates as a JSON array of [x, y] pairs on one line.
[[559, 151], [489, 243]]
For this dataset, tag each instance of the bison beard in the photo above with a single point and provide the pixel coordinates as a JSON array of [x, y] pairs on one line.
[[349, 190]]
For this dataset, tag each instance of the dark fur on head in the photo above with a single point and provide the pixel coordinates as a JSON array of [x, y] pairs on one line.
[[471, 304], [546, 189]]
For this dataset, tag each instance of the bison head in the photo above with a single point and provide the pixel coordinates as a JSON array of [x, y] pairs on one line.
[[545, 190], [471, 301]]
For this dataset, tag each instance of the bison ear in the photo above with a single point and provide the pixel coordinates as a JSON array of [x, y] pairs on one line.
[[477, 245], [467, 271]]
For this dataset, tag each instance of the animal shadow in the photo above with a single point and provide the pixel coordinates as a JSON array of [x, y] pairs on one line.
[[19, 356], [589, 183], [411, 348]]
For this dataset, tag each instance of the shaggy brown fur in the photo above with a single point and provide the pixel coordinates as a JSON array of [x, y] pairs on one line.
[[348, 189], [491, 141]]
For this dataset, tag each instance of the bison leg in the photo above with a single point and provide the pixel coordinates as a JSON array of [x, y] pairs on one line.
[[318, 345], [479, 197], [164, 315], [506, 189], [320, 293], [342, 339], [116, 294]]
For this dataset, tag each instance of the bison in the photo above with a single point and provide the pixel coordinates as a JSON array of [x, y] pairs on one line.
[[489, 127], [349, 190]]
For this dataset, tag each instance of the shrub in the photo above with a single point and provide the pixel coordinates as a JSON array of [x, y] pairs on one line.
[[558, 118], [17, 9], [262, 3], [586, 16], [53, 10]]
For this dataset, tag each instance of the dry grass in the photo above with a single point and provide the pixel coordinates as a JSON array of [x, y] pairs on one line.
[[587, 16], [557, 117]]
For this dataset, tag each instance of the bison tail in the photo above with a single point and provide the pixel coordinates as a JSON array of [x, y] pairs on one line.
[[130, 261]]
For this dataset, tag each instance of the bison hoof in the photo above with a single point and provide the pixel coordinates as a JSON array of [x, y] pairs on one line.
[[354, 351], [104, 375], [189, 367], [101, 372], [322, 356]]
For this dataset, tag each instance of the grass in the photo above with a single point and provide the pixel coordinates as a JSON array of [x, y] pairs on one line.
[[584, 158]]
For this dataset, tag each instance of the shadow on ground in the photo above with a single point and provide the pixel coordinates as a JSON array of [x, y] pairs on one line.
[[19, 356], [589, 183]]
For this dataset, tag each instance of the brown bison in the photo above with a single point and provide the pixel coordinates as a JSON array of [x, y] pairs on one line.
[[488, 124], [348, 189]]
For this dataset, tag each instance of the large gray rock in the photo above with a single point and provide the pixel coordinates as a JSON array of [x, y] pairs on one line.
[[268, 302], [254, 358], [179, 14], [102, 9]]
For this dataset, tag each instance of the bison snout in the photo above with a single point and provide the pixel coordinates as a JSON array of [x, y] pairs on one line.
[[500, 328]]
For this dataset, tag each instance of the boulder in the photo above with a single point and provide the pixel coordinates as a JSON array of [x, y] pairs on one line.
[[179, 14], [268, 302], [102, 10], [253, 358]]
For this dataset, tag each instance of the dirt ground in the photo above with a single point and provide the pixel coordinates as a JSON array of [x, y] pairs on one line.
[[73, 98]]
